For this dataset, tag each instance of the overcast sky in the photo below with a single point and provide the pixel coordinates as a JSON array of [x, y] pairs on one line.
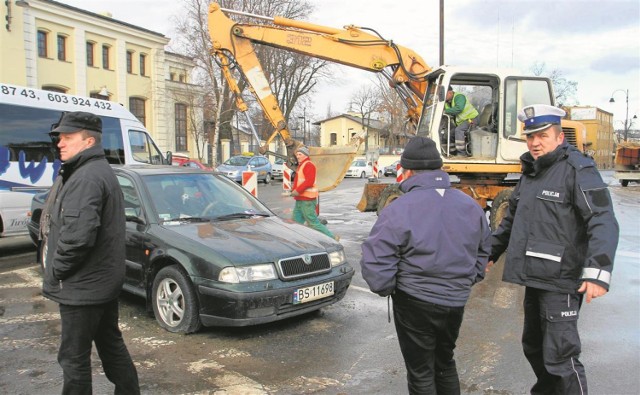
[[593, 42]]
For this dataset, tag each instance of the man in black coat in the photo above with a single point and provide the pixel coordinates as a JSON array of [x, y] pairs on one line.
[[562, 235], [83, 230]]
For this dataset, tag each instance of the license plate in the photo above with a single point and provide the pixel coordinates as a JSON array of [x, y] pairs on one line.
[[307, 294]]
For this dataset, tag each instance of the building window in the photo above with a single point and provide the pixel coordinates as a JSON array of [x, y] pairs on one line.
[[42, 44], [90, 46], [181, 127], [50, 88], [105, 57], [136, 106], [129, 62], [172, 76], [62, 47], [143, 59], [182, 78]]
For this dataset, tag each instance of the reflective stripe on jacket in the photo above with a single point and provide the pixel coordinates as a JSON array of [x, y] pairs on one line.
[[468, 112], [309, 193]]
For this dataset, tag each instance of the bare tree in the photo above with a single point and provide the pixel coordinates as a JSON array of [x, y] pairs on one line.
[[565, 90], [291, 75], [393, 112], [366, 102]]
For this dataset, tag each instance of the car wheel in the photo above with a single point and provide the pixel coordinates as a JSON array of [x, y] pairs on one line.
[[267, 178], [363, 175], [175, 304], [499, 208], [379, 174], [388, 195], [624, 183]]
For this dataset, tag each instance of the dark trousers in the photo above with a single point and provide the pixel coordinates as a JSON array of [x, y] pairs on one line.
[[551, 342], [427, 334], [82, 325]]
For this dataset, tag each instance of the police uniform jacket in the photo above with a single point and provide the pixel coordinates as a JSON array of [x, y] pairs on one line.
[[560, 228], [85, 263]]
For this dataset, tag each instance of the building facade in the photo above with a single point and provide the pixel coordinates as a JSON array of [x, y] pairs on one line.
[[600, 134], [53, 46]]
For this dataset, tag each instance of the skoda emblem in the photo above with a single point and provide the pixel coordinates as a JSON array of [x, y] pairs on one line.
[[307, 259]]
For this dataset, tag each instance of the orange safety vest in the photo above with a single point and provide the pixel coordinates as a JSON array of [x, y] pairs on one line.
[[309, 193]]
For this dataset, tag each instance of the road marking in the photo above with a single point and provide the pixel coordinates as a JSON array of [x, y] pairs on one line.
[[361, 289]]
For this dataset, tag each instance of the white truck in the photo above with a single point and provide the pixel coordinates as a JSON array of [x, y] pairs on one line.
[[29, 161]]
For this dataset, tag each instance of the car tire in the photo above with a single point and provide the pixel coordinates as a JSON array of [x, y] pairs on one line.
[[499, 208], [175, 304], [388, 195], [267, 179], [624, 183], [379, 174], [363, 175]]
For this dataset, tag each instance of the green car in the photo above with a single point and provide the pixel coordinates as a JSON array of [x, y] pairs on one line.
[[203, 251]]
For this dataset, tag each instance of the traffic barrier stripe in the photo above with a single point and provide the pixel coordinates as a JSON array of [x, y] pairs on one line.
[[250, 182], [286, 178], [375, 169], [399, 176]]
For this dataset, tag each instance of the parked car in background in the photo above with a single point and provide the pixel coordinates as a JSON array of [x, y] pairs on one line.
[[361, 168], [234, 166], [277, 168], [392, 169], [202, 251], [196, 164]]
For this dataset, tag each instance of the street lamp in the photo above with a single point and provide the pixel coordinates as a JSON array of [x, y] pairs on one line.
[[627, 124]]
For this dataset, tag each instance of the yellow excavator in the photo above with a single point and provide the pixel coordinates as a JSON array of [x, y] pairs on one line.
[[494, 145], [233, 45]]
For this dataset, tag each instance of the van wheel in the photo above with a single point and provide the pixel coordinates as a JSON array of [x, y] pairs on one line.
[[499, 208], [175, 304], [388, 195]]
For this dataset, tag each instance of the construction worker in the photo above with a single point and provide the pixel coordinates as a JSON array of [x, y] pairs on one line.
[[464, 114]]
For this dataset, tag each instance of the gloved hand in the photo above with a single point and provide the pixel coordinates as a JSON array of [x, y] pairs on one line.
[[295, 193]]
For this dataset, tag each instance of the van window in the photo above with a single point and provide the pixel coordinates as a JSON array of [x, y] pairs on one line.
[[27, 129], [143, 149]]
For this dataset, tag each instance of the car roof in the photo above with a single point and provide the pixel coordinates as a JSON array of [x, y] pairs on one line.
[[147, 170]]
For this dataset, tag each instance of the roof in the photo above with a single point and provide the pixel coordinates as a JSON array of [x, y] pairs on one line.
[[371, 124], [103, 17]]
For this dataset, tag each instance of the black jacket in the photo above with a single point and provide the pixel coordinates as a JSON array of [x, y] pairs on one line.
[[560, 228], [85, 263]]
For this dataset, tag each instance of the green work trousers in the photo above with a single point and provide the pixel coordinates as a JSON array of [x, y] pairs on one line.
[[305, 211]]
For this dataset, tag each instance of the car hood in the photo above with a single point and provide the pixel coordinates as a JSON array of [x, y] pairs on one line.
[[248, 241], [231, 168]]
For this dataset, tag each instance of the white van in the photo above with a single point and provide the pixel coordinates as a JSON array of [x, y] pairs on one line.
[[29, 161]]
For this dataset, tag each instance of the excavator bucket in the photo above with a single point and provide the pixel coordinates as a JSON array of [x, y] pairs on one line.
[[371, 196], [332, 164]]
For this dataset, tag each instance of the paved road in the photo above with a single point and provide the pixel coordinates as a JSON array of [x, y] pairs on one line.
[[347, 348]]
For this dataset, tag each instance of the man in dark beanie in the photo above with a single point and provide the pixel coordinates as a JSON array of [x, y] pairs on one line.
[[426, 250]]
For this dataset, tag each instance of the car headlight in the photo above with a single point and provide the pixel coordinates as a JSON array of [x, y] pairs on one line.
[[337, 258], [246, 274]]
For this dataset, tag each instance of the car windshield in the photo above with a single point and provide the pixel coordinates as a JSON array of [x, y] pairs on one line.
[[200, 197], [237, 161], [279, 161], [358, 163]]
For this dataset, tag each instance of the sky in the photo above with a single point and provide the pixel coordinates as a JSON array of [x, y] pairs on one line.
[[595, 43]]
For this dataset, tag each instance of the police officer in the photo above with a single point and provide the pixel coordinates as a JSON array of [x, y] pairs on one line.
[[562, 236]]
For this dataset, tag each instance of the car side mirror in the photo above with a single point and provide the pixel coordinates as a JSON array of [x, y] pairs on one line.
[[131, 216]]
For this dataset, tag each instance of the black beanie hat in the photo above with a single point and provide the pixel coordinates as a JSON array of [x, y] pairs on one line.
[[420, 153]]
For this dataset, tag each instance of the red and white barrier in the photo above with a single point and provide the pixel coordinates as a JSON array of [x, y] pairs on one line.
[[375, 169], [286, 179], [250, 182], [399, 176]]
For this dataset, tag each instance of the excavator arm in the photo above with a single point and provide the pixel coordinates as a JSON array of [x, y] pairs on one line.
[[233, 46]]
